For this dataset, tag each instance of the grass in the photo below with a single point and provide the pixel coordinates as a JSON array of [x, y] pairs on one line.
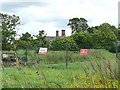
[[96, 70], [55, 57], [52, 77]]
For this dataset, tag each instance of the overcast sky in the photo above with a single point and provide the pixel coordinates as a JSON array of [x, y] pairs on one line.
[[52, 15]]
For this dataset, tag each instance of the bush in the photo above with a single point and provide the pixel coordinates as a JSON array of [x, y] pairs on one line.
[[63, 43], [83, 40]]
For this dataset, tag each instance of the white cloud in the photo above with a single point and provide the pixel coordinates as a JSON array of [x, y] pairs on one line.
[[34, 28], [56, 13]]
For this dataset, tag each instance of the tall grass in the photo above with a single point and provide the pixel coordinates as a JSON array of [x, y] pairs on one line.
[[96, 70], [55, 57], [50, 76], [106, 71]]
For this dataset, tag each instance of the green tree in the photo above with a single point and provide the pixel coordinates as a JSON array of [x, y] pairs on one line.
[[9, 24], [40, 40], [78, 24], [104, 37], [61, 43], [26, 37], [32, 42], [25, 41], [83, 39]]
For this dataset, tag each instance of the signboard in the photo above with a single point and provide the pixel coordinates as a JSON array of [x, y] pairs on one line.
[[42, 51], [83, 51]]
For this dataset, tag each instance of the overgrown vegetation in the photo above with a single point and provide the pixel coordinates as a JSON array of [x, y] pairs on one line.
[[55, 77], [97, 70], [103, 36], [55, 57]]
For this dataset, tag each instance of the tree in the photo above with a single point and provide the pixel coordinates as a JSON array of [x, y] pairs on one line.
[[61, 43], [26, 37], [99, 37], [32, 42], [9, 24], [78, 24], [40, 40], [25, 41], [83, 39], [104, 37]]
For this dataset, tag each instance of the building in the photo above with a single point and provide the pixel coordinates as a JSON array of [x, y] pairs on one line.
[[50, 38]]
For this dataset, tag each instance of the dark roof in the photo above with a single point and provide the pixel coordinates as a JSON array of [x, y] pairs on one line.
[[50, 38]]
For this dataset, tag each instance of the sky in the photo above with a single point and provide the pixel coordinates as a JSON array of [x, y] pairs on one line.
[[52, 15]]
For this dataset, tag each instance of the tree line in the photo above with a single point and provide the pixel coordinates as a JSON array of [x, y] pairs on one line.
[[103, 36]]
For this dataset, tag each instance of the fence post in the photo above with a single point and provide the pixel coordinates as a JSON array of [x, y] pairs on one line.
[[17, 62], [15, 49], [116, 50], [117, 58], [117, 45], [26, 55], [66, 56]]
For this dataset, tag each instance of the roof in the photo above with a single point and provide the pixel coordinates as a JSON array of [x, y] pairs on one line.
[[50, 38]]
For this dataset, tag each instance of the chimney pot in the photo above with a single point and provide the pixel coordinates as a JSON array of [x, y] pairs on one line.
[[63, 33], [57, 33]]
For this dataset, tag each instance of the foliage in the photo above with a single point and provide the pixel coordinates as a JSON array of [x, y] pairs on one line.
[[62, 43], [104, 37], [99, 72], [98, 37], [55, 57], [26, 37], [83, 39], [25, 41], [9, 24], [32, 42], [78, 24], [40, 40]]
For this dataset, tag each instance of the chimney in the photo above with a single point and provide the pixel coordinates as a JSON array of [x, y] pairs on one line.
[[57, 33], [63, 33]]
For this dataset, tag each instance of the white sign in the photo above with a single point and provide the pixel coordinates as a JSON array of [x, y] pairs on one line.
[[42, 51]]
